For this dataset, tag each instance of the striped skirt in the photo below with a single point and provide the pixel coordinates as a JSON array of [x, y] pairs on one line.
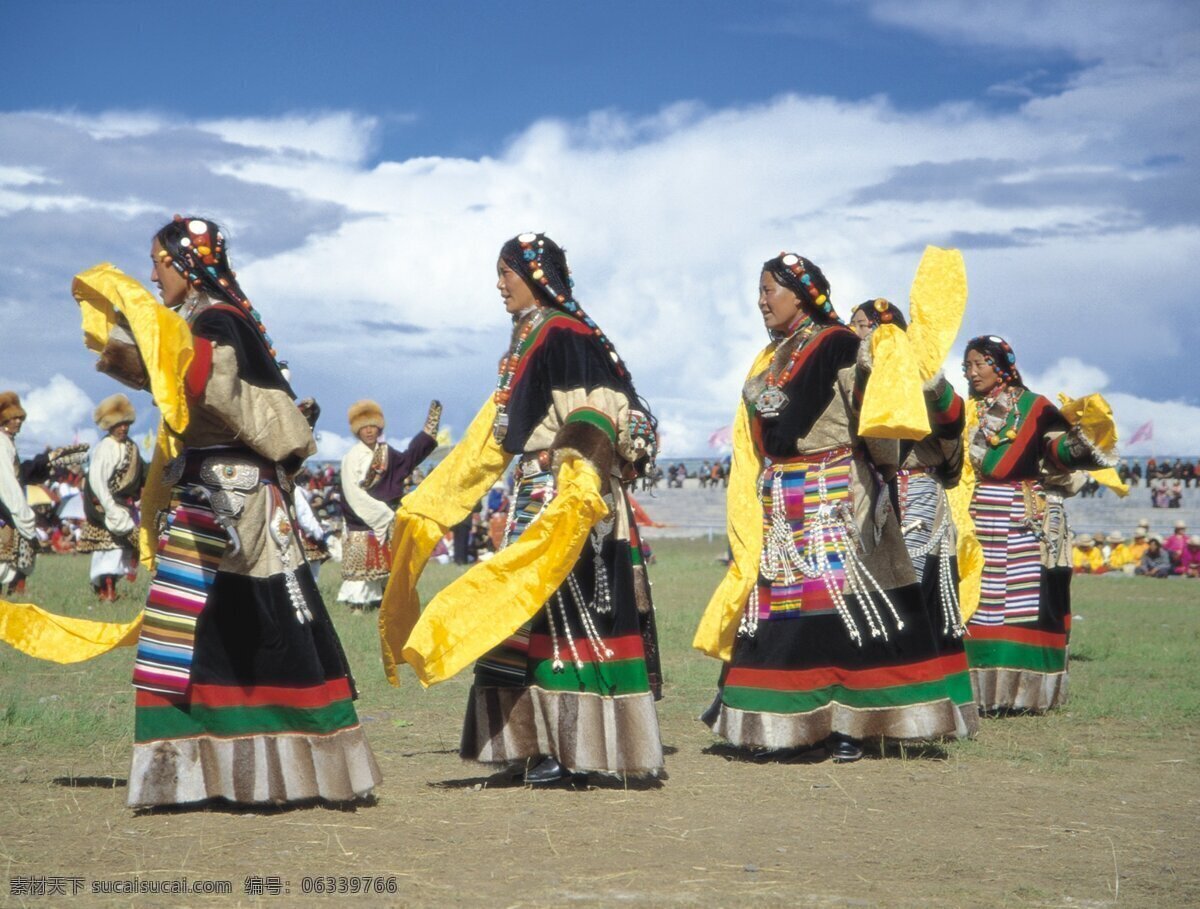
[[1017, 639], [797, 675], [577, 682], [241, 694]]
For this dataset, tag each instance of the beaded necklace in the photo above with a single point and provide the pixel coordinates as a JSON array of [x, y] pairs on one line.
[[508, 370], [772, 399]]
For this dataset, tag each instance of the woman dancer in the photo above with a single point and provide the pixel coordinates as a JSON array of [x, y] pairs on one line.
[[819, 621], [243, 692], [1026, 456], [928, 468], [560, 619]]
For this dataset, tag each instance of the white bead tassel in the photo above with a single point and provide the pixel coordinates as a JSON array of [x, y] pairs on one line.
[[556, 657], [602, 597], [601, 650], [562, 612], [952, 623]]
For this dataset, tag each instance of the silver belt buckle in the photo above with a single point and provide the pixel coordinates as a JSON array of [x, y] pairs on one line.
[[229, 473]]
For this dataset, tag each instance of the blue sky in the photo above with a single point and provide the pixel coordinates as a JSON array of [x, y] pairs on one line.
[[458, 78], [369, 158]]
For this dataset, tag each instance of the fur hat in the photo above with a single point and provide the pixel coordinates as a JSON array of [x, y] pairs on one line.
[[364, 413], [1116, 537], [10, 406], [113, 411]]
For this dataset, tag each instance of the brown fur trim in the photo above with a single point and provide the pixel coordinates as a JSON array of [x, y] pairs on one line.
[[123, 362], [364, 413], [10, 406], [113, 411], [586, 441]]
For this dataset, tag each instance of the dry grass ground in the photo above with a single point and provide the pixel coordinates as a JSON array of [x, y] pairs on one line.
[[1096, 805]]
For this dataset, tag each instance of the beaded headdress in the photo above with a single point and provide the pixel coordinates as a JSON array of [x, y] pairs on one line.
[[806, 281], [195, 247], [881, 312], [999, 355], [543, 265]]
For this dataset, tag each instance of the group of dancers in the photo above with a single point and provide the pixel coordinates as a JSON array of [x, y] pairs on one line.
[[860, 486]]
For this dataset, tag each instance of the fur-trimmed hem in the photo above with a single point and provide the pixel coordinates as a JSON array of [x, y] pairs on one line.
[[866, 359], [253, 770], [1019, 689], [1080, 443], [928, 722], [584, 732], [123, 362], [935, 382], [585, 441]]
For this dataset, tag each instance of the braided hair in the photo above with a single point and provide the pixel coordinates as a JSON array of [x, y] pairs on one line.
[[195, 247], [542, 263], [881, 312], [999, 355], [806, 281]]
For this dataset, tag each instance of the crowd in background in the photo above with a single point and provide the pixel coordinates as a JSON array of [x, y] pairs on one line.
[[1146, 554]]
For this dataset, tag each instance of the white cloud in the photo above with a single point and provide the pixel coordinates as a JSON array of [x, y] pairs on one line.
[[331, 446], [340, 136], [1079, 241], [57, 411]]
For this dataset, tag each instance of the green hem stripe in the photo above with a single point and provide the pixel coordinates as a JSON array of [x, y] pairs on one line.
[[152, 723], [763, 700], [1011, 655], [611, 678]]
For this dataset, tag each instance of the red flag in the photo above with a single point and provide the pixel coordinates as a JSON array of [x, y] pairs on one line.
[[1144, 433]]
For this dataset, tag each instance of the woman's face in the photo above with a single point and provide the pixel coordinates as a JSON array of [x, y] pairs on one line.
[[861, 324], [369, 435], [779, 305], [516, 294], [13, 426], [981, 375], [120, 432], [172, 286]]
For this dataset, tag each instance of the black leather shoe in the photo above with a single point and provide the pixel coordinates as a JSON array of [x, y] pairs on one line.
[[843, 749], [546, 772]]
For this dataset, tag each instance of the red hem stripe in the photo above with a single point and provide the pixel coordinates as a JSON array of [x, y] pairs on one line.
[[256, 696], [810, 679], [628, 647], [1018, 635]]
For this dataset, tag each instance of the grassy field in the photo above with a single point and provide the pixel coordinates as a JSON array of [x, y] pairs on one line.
[[1096, 804]]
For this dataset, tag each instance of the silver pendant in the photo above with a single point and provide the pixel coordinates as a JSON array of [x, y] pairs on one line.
[[771, 402], [500, 427]]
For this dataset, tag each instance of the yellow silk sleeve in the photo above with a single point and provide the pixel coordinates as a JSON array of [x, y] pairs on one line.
[[1094, 417], [893, 405], [163, 338], [439, 502], [743, 521], [1108, 477], [61, 639], [156, 495], [937, 301], [970, 553], [494, 598]]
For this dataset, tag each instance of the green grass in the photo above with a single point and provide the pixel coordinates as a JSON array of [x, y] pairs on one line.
[[1134, 676]]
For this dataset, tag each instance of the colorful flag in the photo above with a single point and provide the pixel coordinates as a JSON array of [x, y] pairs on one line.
[[1144, 433]]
